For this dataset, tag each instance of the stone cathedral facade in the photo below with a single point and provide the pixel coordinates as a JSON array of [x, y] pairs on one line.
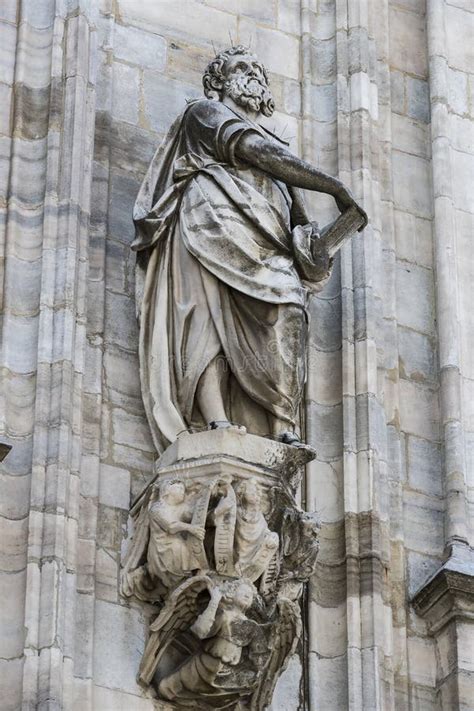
[[370, 595]]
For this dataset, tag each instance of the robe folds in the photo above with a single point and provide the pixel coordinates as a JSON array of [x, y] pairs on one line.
[[223, 271]]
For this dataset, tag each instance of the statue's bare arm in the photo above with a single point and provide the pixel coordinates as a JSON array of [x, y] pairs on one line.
[[281, 164], [173, 526]]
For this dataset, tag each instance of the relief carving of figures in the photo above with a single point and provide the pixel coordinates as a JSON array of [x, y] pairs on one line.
[[228, 587], [176, 546]]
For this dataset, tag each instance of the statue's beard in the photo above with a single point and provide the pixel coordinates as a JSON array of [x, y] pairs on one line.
[[250, 92]]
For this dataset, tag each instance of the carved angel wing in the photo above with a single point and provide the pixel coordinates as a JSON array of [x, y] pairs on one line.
[[179, 612], [284, 640], [136, 553]]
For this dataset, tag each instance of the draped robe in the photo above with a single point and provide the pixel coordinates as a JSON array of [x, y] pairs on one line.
[[223, 270]]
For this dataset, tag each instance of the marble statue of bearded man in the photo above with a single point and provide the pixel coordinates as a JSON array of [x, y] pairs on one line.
[[226, 257]]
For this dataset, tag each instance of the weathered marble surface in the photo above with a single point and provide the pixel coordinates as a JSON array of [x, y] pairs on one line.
[[356, 98]]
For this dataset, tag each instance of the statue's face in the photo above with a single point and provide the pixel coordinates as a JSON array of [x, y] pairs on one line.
[[252, 493], [176, 493], [246, 84], [244, 597]]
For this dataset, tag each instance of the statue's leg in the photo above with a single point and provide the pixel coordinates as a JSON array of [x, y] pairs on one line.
[[210, 389]]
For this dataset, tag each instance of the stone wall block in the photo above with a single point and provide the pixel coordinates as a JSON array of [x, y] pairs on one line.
[[417, 356], [114, 487], [324, 368], [77, 54], [424, 466], [329, 632], [107, 575], [12, 588], [18, 357], [418, 99], [412, 184], [397, 92], [415, 297], [324, 490], [411, 136], [5, 151], [13, 534], [38, 15], [14, 501], [28, 174], [126, 91], [182, 19], [442, 155], [11, 670], [459, 47], [323, 102], [463, 169], [120, 226], [33, 65], [164, 99], [32, 111], [7, 52], [9, 11], [324, 422], [86, 554], [419, 410], [408, 42], [328, 682], [120, 314], [126, 627], [139, 47], [105, 698], [323, 60], [423, 516]]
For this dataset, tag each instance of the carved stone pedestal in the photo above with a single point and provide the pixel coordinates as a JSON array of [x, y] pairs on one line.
[[222, 548]]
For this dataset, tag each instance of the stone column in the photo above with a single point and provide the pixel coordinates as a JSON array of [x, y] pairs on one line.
[[446, 600], [364, 419], [44, 335], [446, 276]]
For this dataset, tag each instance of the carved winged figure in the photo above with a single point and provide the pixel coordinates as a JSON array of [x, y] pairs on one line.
[[167, 547], [237, 657]]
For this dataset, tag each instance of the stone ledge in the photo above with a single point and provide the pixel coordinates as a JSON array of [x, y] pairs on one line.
[[232, 450], [449, 593]]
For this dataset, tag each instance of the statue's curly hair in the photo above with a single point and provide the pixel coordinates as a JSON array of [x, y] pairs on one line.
[[231, 587], [214, 78], [241, 488]]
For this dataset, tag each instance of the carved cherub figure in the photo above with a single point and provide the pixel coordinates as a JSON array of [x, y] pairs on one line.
[[254, 544], [225, 631], [236, 651]]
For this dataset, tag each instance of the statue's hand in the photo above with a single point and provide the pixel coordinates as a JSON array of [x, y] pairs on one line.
[[198, 532], [344, 201]]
